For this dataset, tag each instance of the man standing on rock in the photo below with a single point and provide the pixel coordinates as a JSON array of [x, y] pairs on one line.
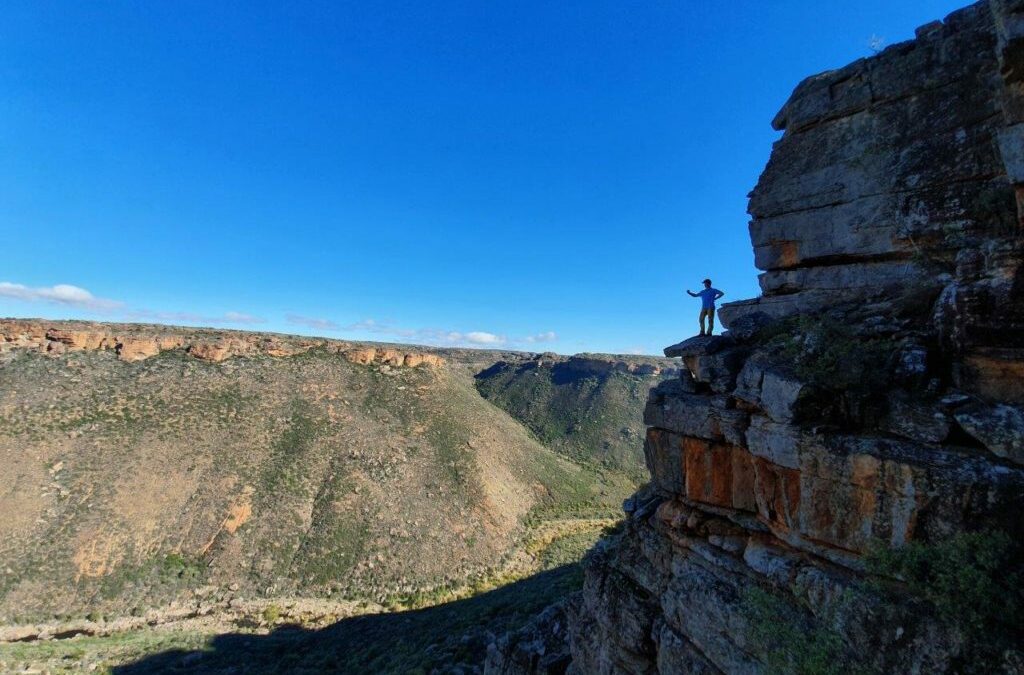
[[707, 305]]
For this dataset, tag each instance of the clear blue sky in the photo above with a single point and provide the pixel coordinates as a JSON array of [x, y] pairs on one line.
[[536, 175]]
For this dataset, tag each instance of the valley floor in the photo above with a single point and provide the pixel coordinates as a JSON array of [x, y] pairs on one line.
[[448, 631]]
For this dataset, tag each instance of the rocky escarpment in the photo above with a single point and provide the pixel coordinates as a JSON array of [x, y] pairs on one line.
[[137, 342], [837, 482]]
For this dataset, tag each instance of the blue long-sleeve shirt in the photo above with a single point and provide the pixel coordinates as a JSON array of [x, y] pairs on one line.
[[708, 297]]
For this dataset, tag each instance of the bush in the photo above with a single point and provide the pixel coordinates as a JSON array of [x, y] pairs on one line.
[[791, 643], [974, 582], [271, 613]]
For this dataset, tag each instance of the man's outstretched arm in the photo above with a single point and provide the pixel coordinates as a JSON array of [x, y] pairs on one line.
[[691, 293]]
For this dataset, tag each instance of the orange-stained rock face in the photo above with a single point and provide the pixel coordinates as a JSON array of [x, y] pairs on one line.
[[361, 356], [391, 357], [997, 378], [137, 349], [22, 332], [718, 474], [79, 340], [777, 492], [135, 342], [211, 351], [167, 342], [413, 360]]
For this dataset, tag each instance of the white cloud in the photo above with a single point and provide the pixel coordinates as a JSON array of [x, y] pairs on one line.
[[61, 294], [429, 336], [548, 336], [479, 337], [311, 322]]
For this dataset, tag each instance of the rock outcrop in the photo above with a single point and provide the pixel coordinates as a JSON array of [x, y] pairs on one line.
[[391, 357], [868, 403], [137, 342]]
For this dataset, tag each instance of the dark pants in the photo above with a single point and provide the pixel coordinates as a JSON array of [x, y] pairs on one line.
[[710, 314]]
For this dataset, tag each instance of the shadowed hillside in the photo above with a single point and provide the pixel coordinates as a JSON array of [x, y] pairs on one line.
[[586, 407], [447, 637]]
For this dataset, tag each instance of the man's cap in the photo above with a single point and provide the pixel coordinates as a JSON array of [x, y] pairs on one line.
[[707, 281]]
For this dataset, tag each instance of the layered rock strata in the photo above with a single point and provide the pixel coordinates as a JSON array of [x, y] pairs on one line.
[[137, 342], [869, 400], [897, 183]]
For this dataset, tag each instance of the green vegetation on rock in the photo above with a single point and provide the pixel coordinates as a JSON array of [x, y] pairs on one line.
[[973, 580], [790, 642]]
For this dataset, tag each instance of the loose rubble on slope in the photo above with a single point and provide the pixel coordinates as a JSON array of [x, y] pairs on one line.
[[866, 408]]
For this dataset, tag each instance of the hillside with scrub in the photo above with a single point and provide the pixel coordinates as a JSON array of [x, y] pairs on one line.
[[232, 481]]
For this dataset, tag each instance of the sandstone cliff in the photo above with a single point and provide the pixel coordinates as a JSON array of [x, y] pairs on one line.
[[137, 342], [836, 483]]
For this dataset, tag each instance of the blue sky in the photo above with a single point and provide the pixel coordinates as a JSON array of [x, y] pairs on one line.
[[529, 175]]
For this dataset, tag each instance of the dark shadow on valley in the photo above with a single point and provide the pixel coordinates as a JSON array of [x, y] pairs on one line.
[[416, 641]]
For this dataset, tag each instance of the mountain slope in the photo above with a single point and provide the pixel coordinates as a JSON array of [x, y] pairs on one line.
[[128, 483], [586, 407]]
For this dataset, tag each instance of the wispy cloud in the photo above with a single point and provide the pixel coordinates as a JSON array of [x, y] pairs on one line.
[[448, 338], [430, 336], [311, 322], [549, 336], [61, 294], [238, 318]]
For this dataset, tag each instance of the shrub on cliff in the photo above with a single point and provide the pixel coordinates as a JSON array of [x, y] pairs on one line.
[[974, 582], [792, 644]]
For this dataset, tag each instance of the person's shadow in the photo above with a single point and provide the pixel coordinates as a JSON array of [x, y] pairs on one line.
[[451, 637]]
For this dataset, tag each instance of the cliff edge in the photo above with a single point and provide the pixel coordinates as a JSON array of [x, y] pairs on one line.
[[837, 482]]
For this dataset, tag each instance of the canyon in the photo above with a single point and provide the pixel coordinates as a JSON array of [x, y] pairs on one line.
[[158, 476], [833, 485]]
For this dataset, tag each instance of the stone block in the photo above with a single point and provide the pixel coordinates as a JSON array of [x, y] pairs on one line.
[[915, 420], [777, 443], [677, 655], [780, 395], [777, 494], [719, 369], [663, 451], [763, 555], [1000, 428], [856, 490]]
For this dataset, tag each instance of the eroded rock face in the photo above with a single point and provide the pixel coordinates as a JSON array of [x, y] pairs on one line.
[[137, 342], [137, 349], [391, 357], [870, 398]]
